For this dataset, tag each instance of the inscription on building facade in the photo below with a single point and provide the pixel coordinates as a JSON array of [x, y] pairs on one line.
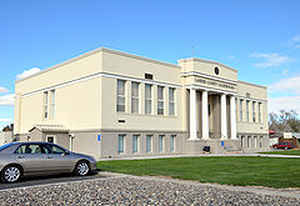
[[214, 83]]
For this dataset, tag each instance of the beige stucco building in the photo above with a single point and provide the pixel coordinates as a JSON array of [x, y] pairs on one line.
[[109, 103]]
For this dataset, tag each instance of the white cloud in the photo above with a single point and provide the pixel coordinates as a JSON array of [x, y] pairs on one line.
[[28, 73], [291, 84], [3, 90], [295, 41], [296, 38], [5, 120], [286, 103], [7, 100], [270, 60]]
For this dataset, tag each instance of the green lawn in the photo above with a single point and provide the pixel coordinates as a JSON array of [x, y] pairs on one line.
[[259, 171], [287, 152]]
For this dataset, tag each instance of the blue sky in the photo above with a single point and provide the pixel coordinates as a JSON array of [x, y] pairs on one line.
[[259, 38]]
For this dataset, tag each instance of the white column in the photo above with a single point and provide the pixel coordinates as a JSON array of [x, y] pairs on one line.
[[193, 122], [233, 117], [205, 127], [223, 117]]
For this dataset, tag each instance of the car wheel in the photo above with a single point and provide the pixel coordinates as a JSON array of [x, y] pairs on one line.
[[82, 168], [11, 174]]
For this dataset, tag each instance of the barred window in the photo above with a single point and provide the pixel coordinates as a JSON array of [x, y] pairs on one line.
[[172, 143], [135, 143], [161, 143], [253, 112], [247, 110], [121, 147], [148, 99], [160, 102], [149, 143], [134, 97], [46, 102], [259, 112], [171, 101], [241, 110], [121, 96], [52, 105]]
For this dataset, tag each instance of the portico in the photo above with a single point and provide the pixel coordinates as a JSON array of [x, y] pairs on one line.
[[217, 119]]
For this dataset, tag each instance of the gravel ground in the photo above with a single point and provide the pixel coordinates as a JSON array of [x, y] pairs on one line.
[[129, 190]]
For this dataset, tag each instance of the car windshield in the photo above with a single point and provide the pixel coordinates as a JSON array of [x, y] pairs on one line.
[[3, 147]]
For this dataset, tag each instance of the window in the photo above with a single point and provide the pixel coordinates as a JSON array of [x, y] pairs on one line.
[[32, 149], [121, 139], [253, 112], [148, 99], [134, 97], [149, 143], [52, 104], [172, 143], [247, 110], [160, 102], [261, 142], [135, 143], [148, 76], [242, 141], [46, 100], [241, 110], [161, 143], [248, 141], [171, 101], [255, 142], [259, 112], [55, 149], [50, 139], [120, 96]]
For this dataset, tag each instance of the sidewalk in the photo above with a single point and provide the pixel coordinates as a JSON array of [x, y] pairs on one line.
[[199, 155]]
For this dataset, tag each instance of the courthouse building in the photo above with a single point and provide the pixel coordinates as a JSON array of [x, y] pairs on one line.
[[113, 104]]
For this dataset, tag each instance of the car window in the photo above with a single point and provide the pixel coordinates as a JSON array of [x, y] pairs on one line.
[[32, 149], [56, 150]]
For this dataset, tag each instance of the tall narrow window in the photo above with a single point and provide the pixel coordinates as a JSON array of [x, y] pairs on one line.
[[149, 143], [160, 100], [247, 110], [148, 99], [171, 101], [46, 101], [135, 143], [52, 105], [121, 139], [259, 112], [172, 143], [241, 110], [248, 142], [134, 97], [120, 96], [253, 112], [161, 143]]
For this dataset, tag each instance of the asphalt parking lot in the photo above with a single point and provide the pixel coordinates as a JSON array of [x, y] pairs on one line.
[[118, 189]]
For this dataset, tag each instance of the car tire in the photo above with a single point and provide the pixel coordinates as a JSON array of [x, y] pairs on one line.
[[82, 168], [11, 174]]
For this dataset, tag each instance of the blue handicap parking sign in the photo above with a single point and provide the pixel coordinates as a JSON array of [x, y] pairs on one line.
[[222, 143], [99, 137]]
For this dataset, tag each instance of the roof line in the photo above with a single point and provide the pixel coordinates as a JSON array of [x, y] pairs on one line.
[[207, 61], [251, 84], [103, 49]]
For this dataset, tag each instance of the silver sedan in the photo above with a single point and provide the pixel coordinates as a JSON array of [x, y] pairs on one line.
[[37, 158]]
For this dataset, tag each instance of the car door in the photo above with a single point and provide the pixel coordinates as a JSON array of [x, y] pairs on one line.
[[58, 160], [32, 159]]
